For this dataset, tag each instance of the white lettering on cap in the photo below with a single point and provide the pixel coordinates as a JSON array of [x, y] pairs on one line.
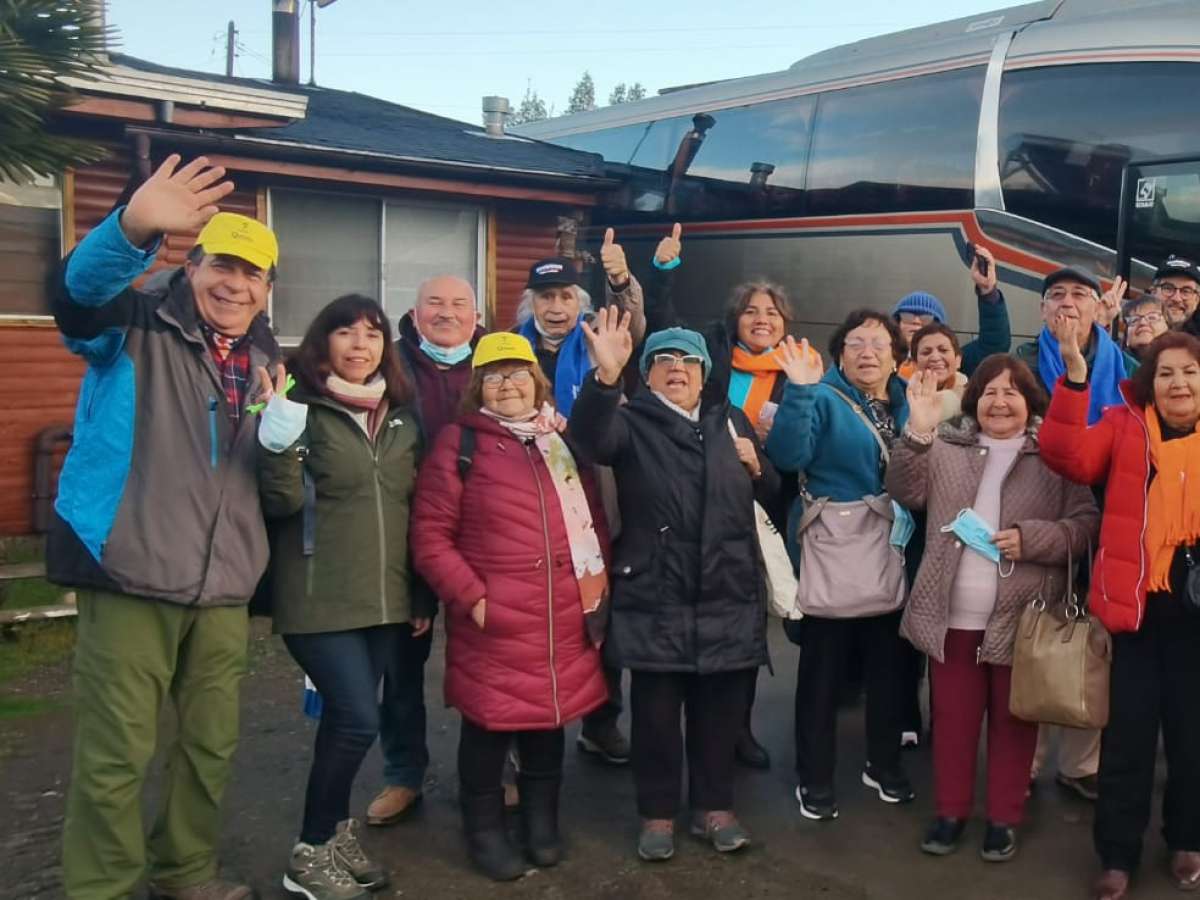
[[1178, 264], [548, 269]]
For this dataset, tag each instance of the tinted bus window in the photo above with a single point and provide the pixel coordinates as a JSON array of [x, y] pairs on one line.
[[903, 145], [1067, 132], [616, 145]]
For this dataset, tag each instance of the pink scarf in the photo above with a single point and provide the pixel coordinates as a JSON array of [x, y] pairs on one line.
[[370, 398]]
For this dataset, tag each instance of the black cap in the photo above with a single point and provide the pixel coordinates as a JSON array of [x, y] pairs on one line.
[[1178, 266], [557, 270], [1070, 274]]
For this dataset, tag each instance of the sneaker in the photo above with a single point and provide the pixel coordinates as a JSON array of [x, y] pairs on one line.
[[393, 803], [348, 854], [721, 829], [1086, 786], [213, 889], [313, 873], [606, 742], [909, 740], [999, 843], [817, 803], [656, 843], [892, 787], [942, 837]]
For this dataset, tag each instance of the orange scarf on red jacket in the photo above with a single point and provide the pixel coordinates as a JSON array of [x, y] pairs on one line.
[[1173, 503]]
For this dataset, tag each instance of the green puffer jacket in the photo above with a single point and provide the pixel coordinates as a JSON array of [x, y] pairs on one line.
[[357, 574]]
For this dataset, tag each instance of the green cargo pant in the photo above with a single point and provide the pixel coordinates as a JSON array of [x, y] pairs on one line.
[[130, 654]]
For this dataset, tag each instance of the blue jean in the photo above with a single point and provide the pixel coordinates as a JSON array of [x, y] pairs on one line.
[[402, 729], [346, 667]]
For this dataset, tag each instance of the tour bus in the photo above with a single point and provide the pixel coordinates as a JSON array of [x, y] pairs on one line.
[[863, 172]]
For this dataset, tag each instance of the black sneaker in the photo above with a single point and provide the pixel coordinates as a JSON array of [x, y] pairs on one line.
[[606, 742], [817, 803], [892, 787], [942, 837], [999, 843]]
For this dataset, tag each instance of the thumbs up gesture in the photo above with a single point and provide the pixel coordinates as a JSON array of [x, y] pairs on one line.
[[669, 247], [612, 257]]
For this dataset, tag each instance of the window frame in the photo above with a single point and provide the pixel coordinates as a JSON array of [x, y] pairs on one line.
[[61, 182]]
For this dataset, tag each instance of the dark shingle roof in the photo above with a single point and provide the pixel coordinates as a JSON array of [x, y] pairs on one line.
[[346, 121]]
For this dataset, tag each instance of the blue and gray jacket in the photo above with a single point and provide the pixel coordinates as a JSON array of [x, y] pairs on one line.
[[158, 496]]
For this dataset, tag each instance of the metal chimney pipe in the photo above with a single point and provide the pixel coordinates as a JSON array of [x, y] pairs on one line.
[[495, 114], [285, 46]]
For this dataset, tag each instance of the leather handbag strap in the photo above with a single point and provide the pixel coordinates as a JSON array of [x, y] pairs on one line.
[[858, 411]]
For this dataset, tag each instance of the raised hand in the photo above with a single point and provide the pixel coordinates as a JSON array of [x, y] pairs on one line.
[[669, 247], [800, 363], [612, 257], [924, 405], [1110, 302], [609, 343], [267, 390], [985, 284], [174, 200], [1068, 331]]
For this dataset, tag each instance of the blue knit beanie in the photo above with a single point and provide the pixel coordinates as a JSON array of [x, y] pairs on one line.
[[684, 339], [920, 303]]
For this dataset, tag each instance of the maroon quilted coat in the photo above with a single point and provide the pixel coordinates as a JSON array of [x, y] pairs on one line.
[[501, 535]]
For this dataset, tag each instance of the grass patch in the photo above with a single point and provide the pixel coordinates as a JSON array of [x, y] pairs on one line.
[[33, 645], [27, 593], [24, 707]]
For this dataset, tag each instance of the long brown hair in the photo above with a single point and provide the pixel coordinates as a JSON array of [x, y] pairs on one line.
[[310, 362], [739, 302]]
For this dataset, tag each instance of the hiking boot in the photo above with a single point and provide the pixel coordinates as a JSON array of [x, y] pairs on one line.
[[721, 829], [393, 803], [892, 787], [942, 837], [1185, 870], [348, 854], [605, 741], [817, 803], [1086, 786], [539, 817], [487, 839], [750, 753], [213, 889], [999, 843], [313, 873], [656, 843]]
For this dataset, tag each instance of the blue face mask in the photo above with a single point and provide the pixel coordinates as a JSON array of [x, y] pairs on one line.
[[446, 356], [973, 531], [903, 526]]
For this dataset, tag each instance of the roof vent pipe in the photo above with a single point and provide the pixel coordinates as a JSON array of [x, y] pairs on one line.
[[285, 41], [495, 114]]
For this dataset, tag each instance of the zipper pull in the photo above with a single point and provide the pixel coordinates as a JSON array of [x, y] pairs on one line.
[[979, 655]]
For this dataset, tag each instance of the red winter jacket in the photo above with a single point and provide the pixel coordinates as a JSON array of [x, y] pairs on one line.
[[501, 536], [1115, 451]]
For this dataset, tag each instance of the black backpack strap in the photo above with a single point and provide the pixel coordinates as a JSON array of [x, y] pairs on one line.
[[466, 451]]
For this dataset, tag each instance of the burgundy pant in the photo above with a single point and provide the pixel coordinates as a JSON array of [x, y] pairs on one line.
[[962, 691]]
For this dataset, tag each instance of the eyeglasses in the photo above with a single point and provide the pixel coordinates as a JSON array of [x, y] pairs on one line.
[[858, 345], [1150, 318], [1078, 294], [519, 377], [907, 318], [1166, 290], [670, 359]]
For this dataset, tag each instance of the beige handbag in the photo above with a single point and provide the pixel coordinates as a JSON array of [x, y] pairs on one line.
[[1061, 661]]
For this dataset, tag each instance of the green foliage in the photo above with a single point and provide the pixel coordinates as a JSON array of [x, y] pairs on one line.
[[42, 42], [532, 108], [583, 97]]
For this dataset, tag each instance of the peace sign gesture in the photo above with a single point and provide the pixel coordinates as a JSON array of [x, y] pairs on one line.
[[266, 390], [174, 200]]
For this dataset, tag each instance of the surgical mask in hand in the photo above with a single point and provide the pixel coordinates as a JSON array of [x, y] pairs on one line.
[[973, 531], [903, 526]]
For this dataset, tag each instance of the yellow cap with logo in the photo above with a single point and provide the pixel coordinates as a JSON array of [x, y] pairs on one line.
[[501, 346], [230, 234]]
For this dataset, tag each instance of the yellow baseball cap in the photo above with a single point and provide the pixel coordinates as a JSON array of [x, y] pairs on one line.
[[230, 234], [501, 346]]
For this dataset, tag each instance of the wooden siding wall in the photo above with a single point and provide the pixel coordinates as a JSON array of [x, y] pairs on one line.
[[524, 234]]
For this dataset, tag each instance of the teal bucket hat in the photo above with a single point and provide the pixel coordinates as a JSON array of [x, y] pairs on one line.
[[690, 342]]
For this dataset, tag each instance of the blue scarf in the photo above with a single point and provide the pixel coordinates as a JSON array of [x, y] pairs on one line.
[[571, 364], [1105, 371]]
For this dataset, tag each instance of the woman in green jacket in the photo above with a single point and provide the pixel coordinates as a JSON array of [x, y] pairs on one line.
[[338, 460]]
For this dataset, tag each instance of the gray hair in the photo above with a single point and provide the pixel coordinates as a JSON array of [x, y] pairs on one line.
[[525, 307], [424, 285]]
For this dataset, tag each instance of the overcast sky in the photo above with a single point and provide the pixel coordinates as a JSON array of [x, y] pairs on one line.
[[444, 56]]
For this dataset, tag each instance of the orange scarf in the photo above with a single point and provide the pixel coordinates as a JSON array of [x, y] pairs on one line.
[[762, 369], [1173, 504]]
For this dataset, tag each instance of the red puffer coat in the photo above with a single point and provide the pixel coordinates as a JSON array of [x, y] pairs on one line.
[[501, 535], [1114, 451]]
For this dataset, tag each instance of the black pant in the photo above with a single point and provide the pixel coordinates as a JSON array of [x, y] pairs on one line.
[[824, 647], [714, 706], [481, 754], [402, 729], [346, 667], [912, 672], [607, 713], [1155, 683]]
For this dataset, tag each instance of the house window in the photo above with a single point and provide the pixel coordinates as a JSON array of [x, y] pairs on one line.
[[30, 244], [335, 244]]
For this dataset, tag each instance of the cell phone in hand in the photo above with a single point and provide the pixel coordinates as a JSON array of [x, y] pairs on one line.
[[973, 257]]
